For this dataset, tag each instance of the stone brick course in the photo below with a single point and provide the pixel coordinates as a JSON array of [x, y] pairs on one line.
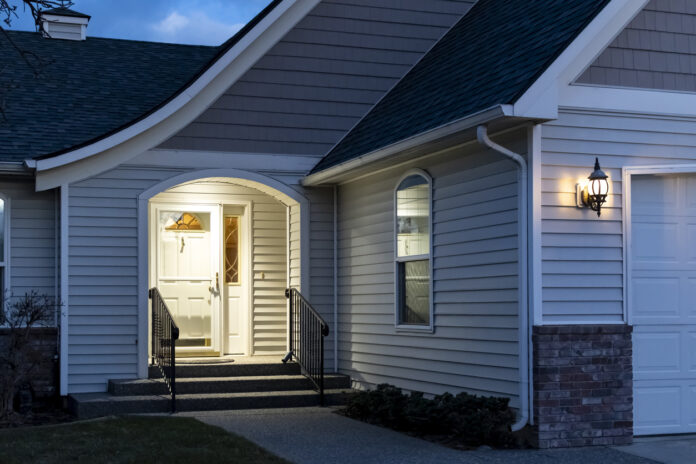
[[583, 385], [44, 376]]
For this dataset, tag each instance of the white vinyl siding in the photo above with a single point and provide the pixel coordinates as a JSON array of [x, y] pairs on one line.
[[32, 239], [474, 346], [321, 263], [582, 255], [294, 244]]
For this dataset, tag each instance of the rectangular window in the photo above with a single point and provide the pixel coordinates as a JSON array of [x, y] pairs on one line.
[[232, 242], [414, 292], [413, 252]]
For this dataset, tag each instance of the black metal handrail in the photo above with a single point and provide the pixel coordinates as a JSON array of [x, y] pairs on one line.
[[307, 332], [165, 332]]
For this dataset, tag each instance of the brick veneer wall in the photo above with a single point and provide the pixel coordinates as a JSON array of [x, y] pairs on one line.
[[583, 385], [43, 377]]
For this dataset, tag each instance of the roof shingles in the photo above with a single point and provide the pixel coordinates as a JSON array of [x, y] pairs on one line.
[[490, 57], [84, 89]]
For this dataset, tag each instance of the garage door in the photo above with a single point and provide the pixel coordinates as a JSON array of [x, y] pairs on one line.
[[663, 303]]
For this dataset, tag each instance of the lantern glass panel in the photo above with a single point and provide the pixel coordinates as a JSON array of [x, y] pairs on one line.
[[599, 187]]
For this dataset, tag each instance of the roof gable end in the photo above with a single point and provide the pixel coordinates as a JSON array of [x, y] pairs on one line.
[[493, 56]]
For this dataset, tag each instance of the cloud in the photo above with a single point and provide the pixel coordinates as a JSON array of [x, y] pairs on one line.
[[194, 28]]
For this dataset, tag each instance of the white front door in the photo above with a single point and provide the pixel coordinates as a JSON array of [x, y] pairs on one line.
[[663, 303], [234, 279], [187, 268]]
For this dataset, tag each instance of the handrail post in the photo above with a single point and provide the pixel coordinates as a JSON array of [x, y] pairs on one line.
[[172, 344], [165, 332], [289, 296], [306, 338], [321, 370]]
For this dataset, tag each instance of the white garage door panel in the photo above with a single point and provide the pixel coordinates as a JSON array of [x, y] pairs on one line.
[[663, 303]]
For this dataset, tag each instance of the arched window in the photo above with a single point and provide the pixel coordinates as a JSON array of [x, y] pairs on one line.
[[412, 253], [185, 221]]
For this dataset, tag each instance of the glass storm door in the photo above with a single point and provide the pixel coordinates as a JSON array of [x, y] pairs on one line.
[[234, 273], [187, 273]]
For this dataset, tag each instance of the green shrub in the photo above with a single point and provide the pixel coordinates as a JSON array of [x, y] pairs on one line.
[[459, 420]]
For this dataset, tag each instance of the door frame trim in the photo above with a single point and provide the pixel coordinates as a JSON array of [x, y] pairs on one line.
[[627, 173], [247, 220]]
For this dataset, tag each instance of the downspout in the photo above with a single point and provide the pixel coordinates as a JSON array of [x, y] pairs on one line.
[[335, 277], [482, 135]]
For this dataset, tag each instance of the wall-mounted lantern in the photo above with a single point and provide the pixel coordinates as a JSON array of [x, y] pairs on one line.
[[594, 193]]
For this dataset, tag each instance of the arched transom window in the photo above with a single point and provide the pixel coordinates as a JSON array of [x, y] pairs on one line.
[[184, 221], [412, 254]]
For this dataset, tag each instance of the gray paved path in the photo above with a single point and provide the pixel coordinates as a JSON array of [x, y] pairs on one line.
[[675, 449], [319, 436]]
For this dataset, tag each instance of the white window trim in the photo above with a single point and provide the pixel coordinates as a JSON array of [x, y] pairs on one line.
[[430, 327], [6, 286]]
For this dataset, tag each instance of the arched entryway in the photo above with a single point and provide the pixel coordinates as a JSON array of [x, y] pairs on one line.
[[222, 246]]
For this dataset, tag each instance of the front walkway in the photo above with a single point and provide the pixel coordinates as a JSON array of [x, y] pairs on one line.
[[319, 436]]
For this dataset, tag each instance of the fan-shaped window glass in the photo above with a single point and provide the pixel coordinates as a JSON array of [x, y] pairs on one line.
[[413, 216], [184, 221], [413, 252], [232, 241]]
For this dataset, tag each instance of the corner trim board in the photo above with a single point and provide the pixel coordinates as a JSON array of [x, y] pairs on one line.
[[64, 286]]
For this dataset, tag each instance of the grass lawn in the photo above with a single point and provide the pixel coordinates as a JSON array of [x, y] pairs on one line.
[[130, 440]]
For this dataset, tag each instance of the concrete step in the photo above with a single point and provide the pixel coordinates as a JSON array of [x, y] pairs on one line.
[[90, 405], [230, 370], [193, 385]]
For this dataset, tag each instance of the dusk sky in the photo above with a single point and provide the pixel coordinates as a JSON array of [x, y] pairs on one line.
[[207, 22]]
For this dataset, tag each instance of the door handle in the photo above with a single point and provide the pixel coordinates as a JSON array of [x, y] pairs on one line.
[[216, 287]]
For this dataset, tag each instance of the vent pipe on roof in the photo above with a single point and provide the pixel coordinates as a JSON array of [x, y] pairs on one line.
[[63, 23]]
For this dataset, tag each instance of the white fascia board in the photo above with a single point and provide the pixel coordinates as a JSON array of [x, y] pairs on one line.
[[181, 110], [331, 174], [628, 100], [542, 98]]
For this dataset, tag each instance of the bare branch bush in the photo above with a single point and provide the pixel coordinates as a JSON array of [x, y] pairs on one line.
[[19, 355]]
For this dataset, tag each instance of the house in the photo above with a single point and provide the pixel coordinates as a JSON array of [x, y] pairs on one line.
[[415, 169]]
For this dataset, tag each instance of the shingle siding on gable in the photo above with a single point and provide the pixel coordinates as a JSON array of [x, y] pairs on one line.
[[326, 73], [656, 51]]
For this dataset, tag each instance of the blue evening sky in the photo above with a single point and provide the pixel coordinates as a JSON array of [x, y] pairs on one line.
[[206, 22]]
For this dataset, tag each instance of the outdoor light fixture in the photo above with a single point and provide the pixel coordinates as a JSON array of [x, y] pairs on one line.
[[594, 193]]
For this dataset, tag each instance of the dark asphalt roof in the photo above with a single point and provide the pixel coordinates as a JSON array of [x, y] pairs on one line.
[[491, 56], [84, 88], [87, 90], [62, 11]]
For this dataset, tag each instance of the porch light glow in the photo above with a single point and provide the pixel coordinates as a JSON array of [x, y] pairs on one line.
[[594, 193]]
